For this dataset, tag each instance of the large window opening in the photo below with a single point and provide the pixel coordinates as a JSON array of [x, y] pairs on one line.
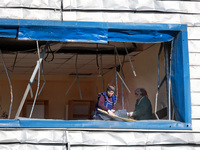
[[71, 74]]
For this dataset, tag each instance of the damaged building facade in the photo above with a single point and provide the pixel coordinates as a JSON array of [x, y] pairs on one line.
[[56, 56]]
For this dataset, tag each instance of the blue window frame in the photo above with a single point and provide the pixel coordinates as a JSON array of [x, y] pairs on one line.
[[102, 33]]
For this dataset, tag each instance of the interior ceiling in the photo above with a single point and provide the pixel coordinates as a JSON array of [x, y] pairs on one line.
[[20, 56]]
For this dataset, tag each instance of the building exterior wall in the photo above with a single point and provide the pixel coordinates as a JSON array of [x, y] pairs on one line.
[[134, 11]]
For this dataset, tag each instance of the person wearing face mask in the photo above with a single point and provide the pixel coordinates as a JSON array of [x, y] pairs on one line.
[[105, 101], [143, 107]]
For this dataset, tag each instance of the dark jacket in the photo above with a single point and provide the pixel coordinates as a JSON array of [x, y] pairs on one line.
[[143, 109]]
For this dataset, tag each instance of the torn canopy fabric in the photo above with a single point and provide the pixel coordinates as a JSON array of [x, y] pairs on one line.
[[92, 32]]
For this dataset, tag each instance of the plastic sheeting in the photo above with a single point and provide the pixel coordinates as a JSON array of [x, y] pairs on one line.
[[180, 78], [90, 31]]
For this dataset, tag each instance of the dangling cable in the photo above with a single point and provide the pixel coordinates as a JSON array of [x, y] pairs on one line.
[[14, 63], [38, 86], [49, 51], [11, 91]]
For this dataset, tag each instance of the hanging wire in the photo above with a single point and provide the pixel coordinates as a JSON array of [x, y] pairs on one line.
[[11, 91], [38, 85], [14, 63], [49, 51]]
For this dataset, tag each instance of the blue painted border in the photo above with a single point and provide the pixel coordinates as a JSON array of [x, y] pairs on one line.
[[151, 124], [113, 32]]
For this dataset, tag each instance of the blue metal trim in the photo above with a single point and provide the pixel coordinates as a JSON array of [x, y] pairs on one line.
[[186, 76], [9, 123], [150, 124]]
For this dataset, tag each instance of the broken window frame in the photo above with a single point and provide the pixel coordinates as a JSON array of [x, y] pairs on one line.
[[116, 32]]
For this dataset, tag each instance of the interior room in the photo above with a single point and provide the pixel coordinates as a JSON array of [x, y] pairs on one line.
[[72, 74]]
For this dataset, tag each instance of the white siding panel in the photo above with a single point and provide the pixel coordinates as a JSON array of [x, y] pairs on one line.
[[195, 85], [190, 20], [194, 58], [195, 112], [173, 147], [196, 125], [44, 136], [41, 14], [19, 13], [55, 4], [132, 138], [194, 45], [169, 6], [195, 72], [31, 147], [195, 99], [194, 32], [7, 136], [11, 13], [33, 136]]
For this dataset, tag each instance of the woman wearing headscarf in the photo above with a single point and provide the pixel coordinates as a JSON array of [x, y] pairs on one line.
[[105, 101], [143, 108]]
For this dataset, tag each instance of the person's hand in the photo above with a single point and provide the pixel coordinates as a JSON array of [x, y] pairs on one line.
[[129, 114], [111, 113], [113, 110]]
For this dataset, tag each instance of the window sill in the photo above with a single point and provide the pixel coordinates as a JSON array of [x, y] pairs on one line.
[[145, 124]]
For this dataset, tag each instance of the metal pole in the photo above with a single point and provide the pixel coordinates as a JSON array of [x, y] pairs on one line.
[[11, 91], [38, 86], [43, 79], [102, 72], [122, 95], [116, 76], [158, 84], [166, 50], [78, 77], [116, 52], [130, 61], [31, 81], [113, 78], [71, 86], [123, 82], [160, 50]]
